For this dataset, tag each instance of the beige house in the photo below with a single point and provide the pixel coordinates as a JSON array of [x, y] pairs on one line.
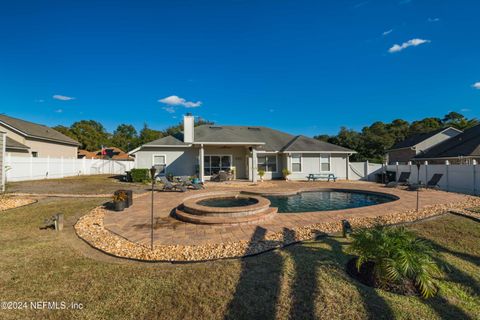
[[405, 151], [243, 150], [28, 139], [3, 138]]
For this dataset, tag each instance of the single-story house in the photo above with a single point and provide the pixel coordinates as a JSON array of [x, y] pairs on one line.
[[28, 139], [207, 149], [461, 149], [404, 151], [3, 141], [108, 153]]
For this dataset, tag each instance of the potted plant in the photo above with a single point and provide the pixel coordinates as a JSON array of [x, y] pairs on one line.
[[195, 180], [286, 173], [393, 259], [261, 173], [120, 201]]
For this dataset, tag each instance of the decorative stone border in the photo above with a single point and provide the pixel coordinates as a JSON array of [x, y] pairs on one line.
[[90, 228]]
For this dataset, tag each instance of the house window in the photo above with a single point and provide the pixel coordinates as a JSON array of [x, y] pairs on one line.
[[35, 154], [296, 163], [212, 164], [267, 163], [160, 162], [324, 162]]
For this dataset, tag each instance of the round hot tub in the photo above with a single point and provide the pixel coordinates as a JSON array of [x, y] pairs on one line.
[[225, 208]]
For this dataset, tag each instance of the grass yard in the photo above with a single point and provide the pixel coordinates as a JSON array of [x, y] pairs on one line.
[[94, 184], [302, 281]]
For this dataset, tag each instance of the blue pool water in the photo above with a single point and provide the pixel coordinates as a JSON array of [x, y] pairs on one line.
[[326, 200]]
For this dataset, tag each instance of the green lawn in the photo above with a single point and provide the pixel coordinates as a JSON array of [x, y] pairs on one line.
[[302, 281], [94, 184]]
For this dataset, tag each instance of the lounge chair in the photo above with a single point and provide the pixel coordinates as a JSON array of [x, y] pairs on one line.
[[169, 186], [402, 180], [185, 180], [433, 182]]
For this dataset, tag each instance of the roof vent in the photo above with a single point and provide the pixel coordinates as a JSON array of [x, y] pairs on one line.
[[254, 128]]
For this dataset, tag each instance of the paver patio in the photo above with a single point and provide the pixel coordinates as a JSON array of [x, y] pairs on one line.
[[134, 223]]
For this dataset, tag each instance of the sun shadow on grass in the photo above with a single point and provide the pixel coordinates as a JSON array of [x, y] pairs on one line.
[[258, 287]]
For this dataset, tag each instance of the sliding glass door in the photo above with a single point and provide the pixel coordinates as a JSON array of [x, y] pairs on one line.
[[216, 163]]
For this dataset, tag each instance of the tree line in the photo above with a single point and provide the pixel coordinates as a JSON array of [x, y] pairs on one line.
[[371, 142], [92, 135]]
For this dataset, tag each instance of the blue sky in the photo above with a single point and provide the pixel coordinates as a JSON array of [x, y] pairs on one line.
[[306, 67]]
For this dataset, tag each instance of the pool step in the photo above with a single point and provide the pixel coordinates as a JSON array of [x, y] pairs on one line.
[[248, 219]]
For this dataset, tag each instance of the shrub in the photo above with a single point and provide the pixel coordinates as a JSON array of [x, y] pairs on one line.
[[285, 173], [140, 175], [397, 256], [261, 173]]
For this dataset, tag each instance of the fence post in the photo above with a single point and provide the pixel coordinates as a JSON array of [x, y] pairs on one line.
[[447, 165], [61, 167], [426, 171], [83, 165], [31, 167], [366, 170], [396, 174], [474, 166], [48, 167]]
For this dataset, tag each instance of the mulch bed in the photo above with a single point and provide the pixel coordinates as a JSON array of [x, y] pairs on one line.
[[366, 276]]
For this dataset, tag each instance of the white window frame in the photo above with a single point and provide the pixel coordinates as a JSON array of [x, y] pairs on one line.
[[216, 155], [301, 162], [160, 155], [329, 161], [266, 162]]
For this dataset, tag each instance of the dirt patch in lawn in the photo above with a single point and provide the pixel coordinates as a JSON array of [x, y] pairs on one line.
[[7, 202], [95, 184]]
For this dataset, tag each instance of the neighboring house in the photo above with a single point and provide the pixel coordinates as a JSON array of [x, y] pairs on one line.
[[461, 149], [30, 139], [84, 154], [112, 153], [207, 149], [404, 151], [3, 142]]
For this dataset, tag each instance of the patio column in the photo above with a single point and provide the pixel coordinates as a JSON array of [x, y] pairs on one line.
[[254, 165], [201, 164]]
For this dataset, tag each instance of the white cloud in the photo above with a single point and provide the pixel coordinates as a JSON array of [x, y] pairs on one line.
[[465, 110], [476, 85], [63, 98], [409, 43], [433, 19], [177, 101], [59, 110], [169, 109], [386, 33]]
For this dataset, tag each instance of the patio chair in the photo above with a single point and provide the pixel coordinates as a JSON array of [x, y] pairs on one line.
[[402, 180], [433, 182], [169, 186], [185, 180]]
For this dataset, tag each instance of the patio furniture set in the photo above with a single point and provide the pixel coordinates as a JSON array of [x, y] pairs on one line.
[[403, 180]]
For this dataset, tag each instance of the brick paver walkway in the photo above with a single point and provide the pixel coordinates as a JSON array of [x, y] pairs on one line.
[[134, 223]]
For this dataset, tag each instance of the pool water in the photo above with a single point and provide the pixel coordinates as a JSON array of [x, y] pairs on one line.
[[226, 202], [326, 200]]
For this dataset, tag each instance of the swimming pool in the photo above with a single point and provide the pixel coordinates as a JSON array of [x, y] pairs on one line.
[[326, 200]]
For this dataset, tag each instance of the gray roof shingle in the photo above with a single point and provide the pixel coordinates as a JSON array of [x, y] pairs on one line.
[[268, 139], [14, 144], [464, 145], [34, 130]]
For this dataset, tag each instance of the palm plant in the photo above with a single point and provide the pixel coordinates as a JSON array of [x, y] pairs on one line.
[[397, 255]]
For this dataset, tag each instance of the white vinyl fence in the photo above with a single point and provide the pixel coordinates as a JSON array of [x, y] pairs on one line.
[[29, 168], [364, 170], [456, 178]]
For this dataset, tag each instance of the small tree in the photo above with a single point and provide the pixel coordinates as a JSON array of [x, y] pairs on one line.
[[261, 173]]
